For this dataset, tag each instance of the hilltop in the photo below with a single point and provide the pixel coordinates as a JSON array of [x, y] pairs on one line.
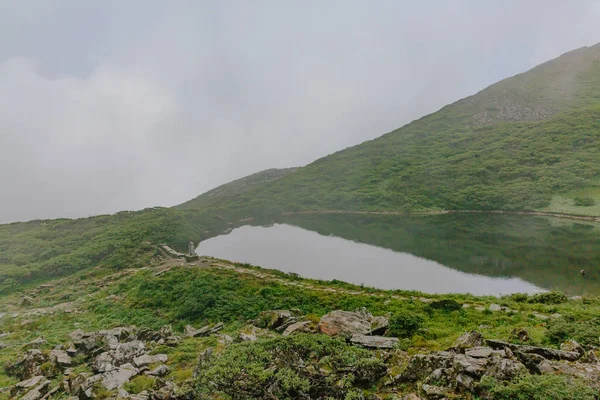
[[530, 142]]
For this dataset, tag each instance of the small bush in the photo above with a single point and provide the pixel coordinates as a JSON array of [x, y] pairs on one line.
[[518, 297], [405, 324], [584, 201], [139, 384], [539, 387], [586, 333], [446, 305], [548, 298]]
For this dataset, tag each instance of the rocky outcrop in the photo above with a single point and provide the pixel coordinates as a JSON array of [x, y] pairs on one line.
[[207, 330], [374, 342], [349, 323], [550, 354]]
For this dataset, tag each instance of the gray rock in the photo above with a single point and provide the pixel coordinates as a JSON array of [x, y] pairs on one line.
[[115, 379], [27, 365], [207, 330], [161, 370], [474, 367], [374, 342], [60, 358], [247, 337], [572, 346], [434, 392], [503, 368], [203, 360], [467, 340], [422, 365], [495, 307], [464, 382], [104, 362], [344, 324], [379, 325], [479, 352], [550, 354], [301, 326], [29, 383], [146, 359]]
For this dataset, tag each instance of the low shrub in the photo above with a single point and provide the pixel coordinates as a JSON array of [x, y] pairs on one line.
[[548, 298], [584, 201], [446, 305], [538, 387], [586, 333], [405, 324]]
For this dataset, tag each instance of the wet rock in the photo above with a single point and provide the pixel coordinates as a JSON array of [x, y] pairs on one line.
[[503, 368], [344, 324], [302, 326], [146, 359], [374, 342], [467, 340], [550, 354]]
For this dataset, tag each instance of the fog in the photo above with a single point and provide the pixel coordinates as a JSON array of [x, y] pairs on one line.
[[110, 105]]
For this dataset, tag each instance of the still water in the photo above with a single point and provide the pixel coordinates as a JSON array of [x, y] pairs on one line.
[[478, 254]]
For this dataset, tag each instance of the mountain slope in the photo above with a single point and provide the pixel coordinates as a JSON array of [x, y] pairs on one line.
[[236, 187], [528, 142]]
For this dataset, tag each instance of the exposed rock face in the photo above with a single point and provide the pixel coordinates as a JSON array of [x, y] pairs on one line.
[[207, 330], [31, 389], [349, 323], [146, 359], [467, 340], [550, 354], [374, 342]]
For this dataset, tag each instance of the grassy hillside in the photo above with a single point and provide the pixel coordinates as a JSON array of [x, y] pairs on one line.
[[528, 142], [236, 188]]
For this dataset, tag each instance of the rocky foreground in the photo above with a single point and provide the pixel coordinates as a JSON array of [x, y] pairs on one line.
[[103, 364]]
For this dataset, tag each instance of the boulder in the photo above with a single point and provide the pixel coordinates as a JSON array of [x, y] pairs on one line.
[[503, 368], [495, 307], [301, 326], [27, 365], [161, 370], [467, 340], [203, 360], [344, 324], [422, 365], [146, 359], [26, 301], [479, 352], [116, 378], [275, 319], [588, 372], [374, 342], [550, 354], [572, 346], [207, 330], [379, 325], [434, 392], [60, 358], [474, 367], [34, 388], [247, 337]]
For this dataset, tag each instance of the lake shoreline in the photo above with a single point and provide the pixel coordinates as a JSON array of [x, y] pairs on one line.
[[441, 212]]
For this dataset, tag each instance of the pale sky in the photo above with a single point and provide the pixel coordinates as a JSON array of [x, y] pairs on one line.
[[109, 105]]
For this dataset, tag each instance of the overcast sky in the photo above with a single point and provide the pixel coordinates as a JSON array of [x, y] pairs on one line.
[[123, 104]]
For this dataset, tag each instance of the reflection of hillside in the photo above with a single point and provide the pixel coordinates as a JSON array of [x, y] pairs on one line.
[[546, 252]]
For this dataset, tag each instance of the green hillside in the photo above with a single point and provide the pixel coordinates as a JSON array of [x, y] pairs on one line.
[[237, 187], [528, 142]]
